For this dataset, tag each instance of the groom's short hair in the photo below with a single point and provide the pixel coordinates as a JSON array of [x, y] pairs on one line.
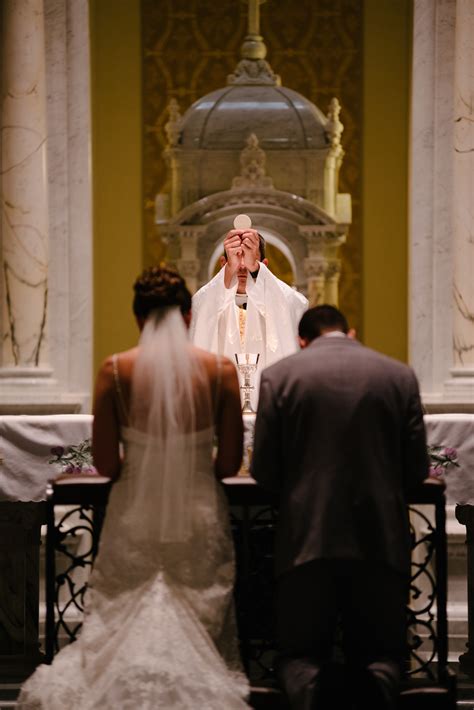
[[319, 319]]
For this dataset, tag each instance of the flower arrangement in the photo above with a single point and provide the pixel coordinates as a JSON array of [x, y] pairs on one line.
[[441, 459], [74, 459]]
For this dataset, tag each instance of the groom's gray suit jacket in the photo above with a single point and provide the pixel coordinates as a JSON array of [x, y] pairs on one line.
[[340, 438]]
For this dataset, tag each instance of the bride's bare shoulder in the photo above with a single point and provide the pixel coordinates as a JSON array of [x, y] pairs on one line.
[[124, 362], [219, 368], [211, 360]]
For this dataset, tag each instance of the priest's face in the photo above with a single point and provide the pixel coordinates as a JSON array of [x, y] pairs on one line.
[[242, 277]]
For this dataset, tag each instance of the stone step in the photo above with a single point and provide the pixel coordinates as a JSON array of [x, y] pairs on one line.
[[426, 698], [419, 698], [8, 695]]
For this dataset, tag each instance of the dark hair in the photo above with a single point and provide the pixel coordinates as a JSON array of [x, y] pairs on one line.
[[262, 245], [160, 286], [320, 318]]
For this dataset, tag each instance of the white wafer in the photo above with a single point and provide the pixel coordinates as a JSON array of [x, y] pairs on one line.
[[242, 221]]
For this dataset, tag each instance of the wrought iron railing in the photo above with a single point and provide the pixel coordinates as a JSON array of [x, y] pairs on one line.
[[82, 514], [253, 518]]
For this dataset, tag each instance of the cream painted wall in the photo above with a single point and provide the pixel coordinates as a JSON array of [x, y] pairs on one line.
[[387, 58], [116, 170]]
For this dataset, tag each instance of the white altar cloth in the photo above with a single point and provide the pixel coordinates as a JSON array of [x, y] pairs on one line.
[[455, 431], [26, 451], [26, 444]]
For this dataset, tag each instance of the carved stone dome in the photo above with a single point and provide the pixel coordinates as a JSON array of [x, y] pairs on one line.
[[280, 117]]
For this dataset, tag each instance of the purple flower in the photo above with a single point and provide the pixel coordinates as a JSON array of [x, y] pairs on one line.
[[436, 471], [450, 453], [89, 469]]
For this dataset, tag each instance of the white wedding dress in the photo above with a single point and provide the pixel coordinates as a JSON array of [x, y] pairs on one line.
[[159, 629]]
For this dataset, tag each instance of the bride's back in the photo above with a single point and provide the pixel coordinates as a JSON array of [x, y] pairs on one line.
[[196, 401], [165, 387]]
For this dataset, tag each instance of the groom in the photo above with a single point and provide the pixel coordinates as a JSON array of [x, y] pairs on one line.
[[340, 438]]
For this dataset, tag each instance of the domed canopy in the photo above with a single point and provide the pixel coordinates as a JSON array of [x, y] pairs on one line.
[[280, 118], [257, 148]]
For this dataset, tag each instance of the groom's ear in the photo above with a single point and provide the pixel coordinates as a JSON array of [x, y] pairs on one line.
[[223, 260], [265, 261]]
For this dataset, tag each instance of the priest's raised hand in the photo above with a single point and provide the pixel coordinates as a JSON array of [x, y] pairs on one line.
[[242, 254]]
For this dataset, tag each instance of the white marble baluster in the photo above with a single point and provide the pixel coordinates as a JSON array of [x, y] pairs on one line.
[[24, 190], [463, 277]]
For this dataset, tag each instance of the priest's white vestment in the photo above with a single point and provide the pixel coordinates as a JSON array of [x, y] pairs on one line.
[[271, 318]]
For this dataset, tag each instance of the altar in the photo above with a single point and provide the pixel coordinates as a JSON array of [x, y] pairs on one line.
[[37, 449]]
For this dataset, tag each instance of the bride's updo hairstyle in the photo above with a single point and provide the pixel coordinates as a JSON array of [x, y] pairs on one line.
[[159, 287]]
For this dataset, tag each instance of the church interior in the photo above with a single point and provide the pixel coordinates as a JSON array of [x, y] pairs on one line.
[[133, 132]]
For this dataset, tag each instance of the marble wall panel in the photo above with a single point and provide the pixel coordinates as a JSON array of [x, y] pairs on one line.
[[441, 204], [70, 200], [463, 147], [431, 177]]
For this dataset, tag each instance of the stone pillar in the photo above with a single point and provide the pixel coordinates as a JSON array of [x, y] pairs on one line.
[[188, 264], [315, 264], [463, 203], [322, 266], [334, 129], [315, 272], [24, 192], [332, 282], [441, 211]]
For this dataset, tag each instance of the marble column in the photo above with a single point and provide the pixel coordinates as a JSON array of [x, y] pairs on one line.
[[441, 205], [315, 272], [188, 263], [24, 191], [463, 208], [333, 274]]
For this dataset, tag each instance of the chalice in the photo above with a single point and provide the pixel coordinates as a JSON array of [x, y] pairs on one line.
[[247, 366]]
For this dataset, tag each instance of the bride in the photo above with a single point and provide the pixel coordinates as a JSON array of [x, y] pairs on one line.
[[159, 629]]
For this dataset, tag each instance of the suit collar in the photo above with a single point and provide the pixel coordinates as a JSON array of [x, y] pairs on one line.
[[325, 342]]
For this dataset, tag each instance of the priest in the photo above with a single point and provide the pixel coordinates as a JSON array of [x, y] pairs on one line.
[[245, 308]]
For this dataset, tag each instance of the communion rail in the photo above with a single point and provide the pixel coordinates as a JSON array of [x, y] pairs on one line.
[[253, 519]]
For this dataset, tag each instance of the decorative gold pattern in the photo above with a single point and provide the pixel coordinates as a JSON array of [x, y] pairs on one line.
[[191, 46], [242, 324]]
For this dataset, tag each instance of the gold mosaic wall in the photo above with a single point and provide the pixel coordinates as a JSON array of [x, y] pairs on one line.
[[189, 48]]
